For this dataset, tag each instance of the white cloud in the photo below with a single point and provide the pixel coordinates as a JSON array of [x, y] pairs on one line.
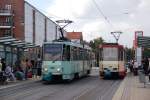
[[68, 8], [143, 4]]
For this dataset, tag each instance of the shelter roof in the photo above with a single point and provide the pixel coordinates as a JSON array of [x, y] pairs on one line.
[[9, 40]]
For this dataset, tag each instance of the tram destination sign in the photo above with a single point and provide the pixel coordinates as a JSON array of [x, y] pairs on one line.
[[143, 41]]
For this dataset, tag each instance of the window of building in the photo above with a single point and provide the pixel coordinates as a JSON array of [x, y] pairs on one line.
[[8, 19], [8, 7], [7, 33]]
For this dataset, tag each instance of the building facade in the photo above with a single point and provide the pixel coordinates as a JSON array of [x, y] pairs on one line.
[[23, 21]]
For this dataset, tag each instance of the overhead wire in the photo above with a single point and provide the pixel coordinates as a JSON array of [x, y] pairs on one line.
[[101, 13]]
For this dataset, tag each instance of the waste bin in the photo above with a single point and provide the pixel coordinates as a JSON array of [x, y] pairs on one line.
[[142, 77]]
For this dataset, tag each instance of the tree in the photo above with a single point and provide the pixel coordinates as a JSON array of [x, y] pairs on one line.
[[94, 44], [129, 53]]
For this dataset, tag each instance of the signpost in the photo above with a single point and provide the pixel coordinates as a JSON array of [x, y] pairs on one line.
[[139, 55], [138, 49], [143, 41], [137, 34]]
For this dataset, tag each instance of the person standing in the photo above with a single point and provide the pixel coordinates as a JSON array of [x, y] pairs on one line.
[[26, 69], [146, 65], [131, 66], [23, 66], [135, 67], [3, 64], [39, 67], [0, 65]]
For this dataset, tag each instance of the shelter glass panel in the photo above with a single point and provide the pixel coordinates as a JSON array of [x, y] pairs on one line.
[[8, 58]]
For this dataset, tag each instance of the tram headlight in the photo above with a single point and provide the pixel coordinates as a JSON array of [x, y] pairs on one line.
[[58, 69], [45, 69]]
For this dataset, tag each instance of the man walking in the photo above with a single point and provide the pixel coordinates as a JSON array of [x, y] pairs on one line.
[[146, 65]]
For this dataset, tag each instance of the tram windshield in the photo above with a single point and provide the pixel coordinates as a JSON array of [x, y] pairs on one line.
[[110, 54], [52, 52]]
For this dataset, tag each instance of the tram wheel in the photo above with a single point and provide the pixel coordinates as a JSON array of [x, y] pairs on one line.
[[76, 76]]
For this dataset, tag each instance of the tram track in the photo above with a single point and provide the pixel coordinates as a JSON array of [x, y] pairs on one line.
[[89, 91], [89, 88], [100, 92]]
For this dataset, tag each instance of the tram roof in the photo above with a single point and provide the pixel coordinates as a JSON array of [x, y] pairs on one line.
[[113, 45], [9, 40], [70, 43]]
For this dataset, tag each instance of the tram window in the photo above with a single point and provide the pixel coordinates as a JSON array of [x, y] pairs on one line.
[[52, 52], [66, 52], [110, 54], [81, 54], [71, 53], [78, 54], [86, 55], [74, 53]]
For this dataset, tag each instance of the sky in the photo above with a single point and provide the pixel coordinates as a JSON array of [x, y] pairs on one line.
[[98, 18]]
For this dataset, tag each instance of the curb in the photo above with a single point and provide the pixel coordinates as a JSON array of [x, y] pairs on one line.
[[120, 90], [17, 84]]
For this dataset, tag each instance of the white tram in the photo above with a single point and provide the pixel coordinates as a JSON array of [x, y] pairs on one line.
[[112, 60]]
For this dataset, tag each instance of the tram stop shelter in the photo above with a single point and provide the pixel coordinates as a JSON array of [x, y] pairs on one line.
[[12, 50]]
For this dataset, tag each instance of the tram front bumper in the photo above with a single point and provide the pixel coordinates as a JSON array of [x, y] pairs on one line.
[[47, 77], [108, 73]]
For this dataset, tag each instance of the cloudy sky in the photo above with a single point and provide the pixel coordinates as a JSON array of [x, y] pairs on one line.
[[97, 18]]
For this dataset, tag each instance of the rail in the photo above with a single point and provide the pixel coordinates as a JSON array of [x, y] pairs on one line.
[[6, 24], [5, 11]]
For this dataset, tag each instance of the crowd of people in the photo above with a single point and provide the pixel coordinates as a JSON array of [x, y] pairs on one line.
[[134, 66], [22, 71]]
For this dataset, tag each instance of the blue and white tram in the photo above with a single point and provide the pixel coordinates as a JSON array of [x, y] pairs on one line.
[[65, 60]]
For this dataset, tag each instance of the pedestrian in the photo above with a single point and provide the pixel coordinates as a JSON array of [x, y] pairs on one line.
[[135, 67], [146, 65], [39, 67], [0, 65], [28, 68], [3, 64], [23, 66], [131, 66], [9, 73]]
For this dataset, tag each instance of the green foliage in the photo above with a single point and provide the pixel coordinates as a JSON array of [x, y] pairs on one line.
[[129, 53], [94, 44]]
